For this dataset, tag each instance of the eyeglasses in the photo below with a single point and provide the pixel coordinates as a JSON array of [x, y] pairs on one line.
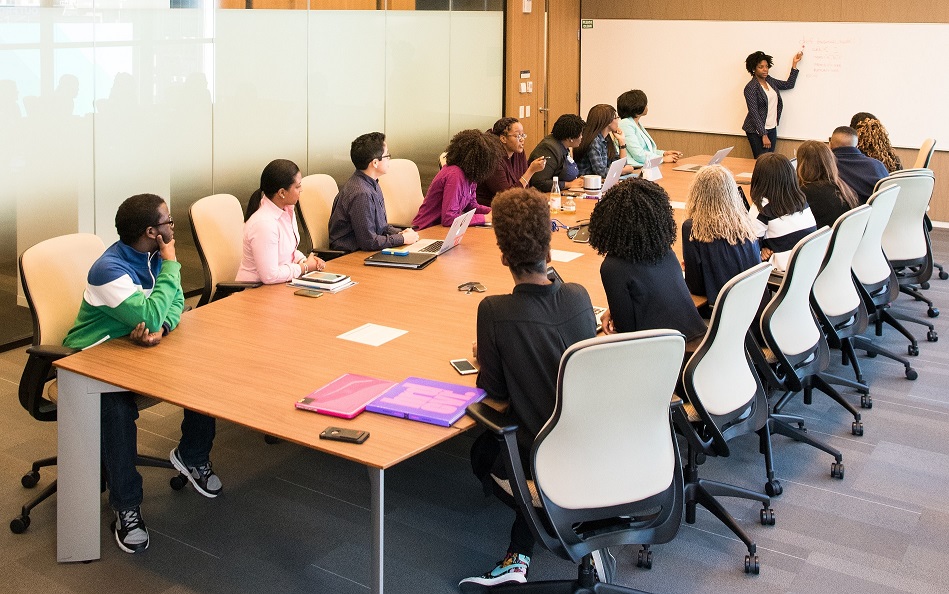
[[385, 157], [517, 136], [170, 222]]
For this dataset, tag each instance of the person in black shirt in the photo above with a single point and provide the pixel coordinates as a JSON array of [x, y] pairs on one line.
[[828, 196]]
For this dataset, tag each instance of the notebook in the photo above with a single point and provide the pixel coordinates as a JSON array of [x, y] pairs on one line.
[[440, 246], [345, 396], [415, 261], [715, 160], [428, 401]]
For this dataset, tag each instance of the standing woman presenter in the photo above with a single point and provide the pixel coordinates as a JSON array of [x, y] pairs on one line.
[[763, 97]]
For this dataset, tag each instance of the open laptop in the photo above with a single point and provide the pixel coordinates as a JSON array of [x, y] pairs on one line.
[[715, 160], [440, 246]]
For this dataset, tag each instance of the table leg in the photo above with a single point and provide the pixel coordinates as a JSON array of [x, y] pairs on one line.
[[78, 468], [377, 487]]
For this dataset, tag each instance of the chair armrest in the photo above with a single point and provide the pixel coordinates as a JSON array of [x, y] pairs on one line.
[[327, 255], [496, 422], [36, 373], [222, 290], [50, 352]]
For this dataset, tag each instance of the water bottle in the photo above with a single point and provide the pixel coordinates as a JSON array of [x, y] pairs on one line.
[[554, 201], [569, 204]]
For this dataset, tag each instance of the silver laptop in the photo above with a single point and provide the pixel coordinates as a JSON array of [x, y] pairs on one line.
[[440, 246], [715, 160], [613, 175]]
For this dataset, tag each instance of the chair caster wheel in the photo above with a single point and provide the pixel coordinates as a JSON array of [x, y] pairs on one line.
[[857, 428], [751, 565], [931, 336], [19, 524], [30, 479], [178, 482], [911, 373], [866, 401], [767, 517], [837, 470], [913, 350], [924, 286], [773, 488], [933, 312], [943, 275], [871, 355], [644, 559]]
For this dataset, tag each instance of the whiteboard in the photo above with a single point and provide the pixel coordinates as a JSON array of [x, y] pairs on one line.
[[693, 73]]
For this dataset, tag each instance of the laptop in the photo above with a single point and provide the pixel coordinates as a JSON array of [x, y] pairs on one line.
[[413, 261], [715, 160], [440, 246]]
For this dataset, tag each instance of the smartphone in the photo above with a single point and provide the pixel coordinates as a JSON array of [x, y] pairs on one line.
[[324, 277], [308, 293], [463, 366], [347, 435], [395, 252], [552, 274]]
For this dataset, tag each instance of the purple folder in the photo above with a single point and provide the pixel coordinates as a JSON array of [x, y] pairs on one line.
[[429, 401]]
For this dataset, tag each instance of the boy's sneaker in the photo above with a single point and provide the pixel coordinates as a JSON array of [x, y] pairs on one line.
[[202, 477], [512, 569], [130, 532]]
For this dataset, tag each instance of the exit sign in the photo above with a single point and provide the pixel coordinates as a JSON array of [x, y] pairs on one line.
[[586, 24]]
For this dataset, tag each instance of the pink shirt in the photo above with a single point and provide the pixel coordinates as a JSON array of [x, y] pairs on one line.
[[270, 245], [449, 196]]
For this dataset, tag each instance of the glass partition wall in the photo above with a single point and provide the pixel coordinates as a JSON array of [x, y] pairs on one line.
[[102, 99]]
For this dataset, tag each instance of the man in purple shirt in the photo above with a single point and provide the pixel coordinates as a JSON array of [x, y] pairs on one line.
[[358, 220], [859, 171]]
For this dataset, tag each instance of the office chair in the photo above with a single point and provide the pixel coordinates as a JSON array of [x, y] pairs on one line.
[[53, 274], [795, 351], [726, 400], [217, 222], [922, 162], [906, 241], [316, 205], [402, 191], [606, 467]]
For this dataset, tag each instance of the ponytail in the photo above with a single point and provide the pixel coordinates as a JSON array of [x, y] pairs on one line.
[[254, 203]]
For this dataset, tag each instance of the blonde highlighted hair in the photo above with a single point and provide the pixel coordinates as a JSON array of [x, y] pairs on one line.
[[873, 141], [716, 209]]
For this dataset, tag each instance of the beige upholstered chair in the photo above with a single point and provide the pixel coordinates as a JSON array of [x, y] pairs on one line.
[[218, 225], [316, 204], [402, 192], [925, 153]]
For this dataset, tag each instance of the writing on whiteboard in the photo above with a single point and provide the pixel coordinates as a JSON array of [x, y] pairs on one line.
[[825, 55]]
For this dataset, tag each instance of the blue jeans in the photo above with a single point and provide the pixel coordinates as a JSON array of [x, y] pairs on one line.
[[757, 147], [120, 446]]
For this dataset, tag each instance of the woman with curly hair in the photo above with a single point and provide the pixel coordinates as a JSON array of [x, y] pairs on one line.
[[763, 98], [874, 141], [512, 170], [603, 142], [826, 194], [471, 158], [780, 216], [634, 228], [718, 241]]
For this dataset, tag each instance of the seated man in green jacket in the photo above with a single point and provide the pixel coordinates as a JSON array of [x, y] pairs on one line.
[[134, 289]]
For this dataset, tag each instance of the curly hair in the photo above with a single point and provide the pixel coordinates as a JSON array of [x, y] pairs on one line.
[[598, 119], [816, 163], [716, 209], [135, 215], [501, 126], [873, 141], [633, 221], [567, 126], [756, 58], [477, 154], [774, 180], [521, 220], [860, 116]]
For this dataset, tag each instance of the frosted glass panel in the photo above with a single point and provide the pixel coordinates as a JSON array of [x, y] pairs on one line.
[[476, 69], [417, 87], [346, 85], [260, 112]]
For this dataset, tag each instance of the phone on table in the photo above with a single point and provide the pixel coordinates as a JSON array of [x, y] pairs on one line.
[[463, 366], [308, 293], [324, 277], [347, 435]]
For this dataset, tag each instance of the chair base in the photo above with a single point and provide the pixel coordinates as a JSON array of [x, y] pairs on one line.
[[781, 425]]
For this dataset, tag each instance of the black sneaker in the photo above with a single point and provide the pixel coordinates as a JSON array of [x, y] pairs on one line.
[[202, 477], [130, 532]]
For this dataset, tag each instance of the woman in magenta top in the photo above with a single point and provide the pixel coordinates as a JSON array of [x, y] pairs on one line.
[[512, 171], [471, 158]]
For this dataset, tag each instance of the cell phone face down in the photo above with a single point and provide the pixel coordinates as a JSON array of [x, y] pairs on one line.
[[463, 366], [347, 435], [308, 293]]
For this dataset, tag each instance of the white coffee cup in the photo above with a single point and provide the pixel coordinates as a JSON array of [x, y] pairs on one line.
[[592, 182]]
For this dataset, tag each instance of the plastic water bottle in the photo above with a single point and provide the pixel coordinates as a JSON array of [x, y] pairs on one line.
[[554, 201], [569, 204]]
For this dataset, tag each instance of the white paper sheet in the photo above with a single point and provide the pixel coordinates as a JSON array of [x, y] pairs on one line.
[[372, 334], [563, 255]]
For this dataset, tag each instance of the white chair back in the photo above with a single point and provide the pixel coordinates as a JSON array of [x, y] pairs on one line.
[[217, 222], [792, 325], [316, 204], [402, 191], [55, 274], [904, 237], [870, 265], [925, 153], [722, 378], [834, 289], [613, 400]]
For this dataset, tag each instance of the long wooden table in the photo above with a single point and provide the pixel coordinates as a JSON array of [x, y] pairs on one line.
[[249, 357]]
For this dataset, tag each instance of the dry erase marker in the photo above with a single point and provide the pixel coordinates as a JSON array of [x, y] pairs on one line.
[[395, 252]]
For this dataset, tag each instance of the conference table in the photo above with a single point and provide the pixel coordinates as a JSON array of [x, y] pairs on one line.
[[248, 358]]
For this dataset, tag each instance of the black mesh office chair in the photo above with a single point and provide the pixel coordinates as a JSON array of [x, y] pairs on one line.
[[606, 467], [53, 273]]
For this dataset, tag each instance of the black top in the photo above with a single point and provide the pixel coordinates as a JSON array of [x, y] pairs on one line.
[[556, 154], [358, 220], [708, 266], [825, 202], [859, 171], [650, 296], [521, 338]]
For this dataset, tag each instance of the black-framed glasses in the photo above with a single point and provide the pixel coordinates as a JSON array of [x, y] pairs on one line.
[[385, 157], [170, 222], [517, 136]]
